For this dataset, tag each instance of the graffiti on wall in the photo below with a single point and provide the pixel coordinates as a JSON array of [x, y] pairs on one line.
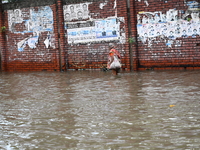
[[32, 21], [170, 25], [86, 30]]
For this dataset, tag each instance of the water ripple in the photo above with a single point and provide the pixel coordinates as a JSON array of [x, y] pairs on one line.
[[96, 110]]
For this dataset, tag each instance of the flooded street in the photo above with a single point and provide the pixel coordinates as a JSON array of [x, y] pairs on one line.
[[94, 110]]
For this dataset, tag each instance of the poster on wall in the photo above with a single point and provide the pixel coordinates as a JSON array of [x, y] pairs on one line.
[[38, 20], [41, 20], [81, 28], [106, 28], [32, 21], [97, 31], [76, 11], [79, 35], [172, 24], [193, 5]]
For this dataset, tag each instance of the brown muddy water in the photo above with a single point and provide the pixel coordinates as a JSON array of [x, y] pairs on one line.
[[94, 110]]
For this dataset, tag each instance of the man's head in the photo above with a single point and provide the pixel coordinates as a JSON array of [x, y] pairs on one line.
[[72, 8], [111, 45], [84, 7], [17, 13], [67, 16], [79, 15]]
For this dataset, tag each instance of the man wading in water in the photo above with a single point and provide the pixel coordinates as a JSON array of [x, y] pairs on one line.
[[114, 59]]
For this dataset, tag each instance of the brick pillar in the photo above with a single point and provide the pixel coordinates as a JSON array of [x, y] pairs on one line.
[[2, 41], [133, 18], [61, 32]]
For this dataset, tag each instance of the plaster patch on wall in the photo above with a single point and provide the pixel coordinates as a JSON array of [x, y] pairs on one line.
[[115, 4], [145, 1], [121, 19], [169, 43], [178, 43], [101, 5], [122, 38], [47, 41]]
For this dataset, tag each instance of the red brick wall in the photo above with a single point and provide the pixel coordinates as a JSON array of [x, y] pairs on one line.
[[151, 52], [2, 43], [30, 59], [157, 52], [95, 54], [63, 55]]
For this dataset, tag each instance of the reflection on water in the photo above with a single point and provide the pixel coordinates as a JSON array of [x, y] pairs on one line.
[[95, 110]]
